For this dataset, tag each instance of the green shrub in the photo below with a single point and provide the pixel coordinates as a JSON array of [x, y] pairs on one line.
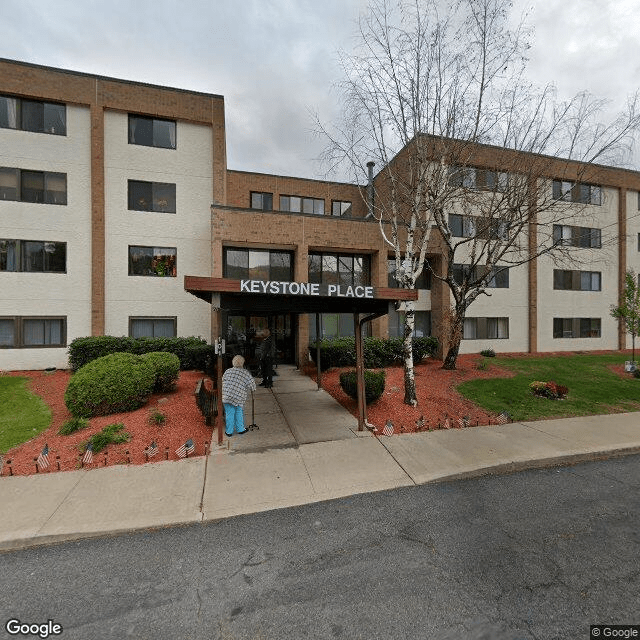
[[111, 384], [378, 352], [488, 353], [167, 370], [73, 425], [373, 384], [636, 373], [157, 418], [482, 364], [111, 434], [192, 352]]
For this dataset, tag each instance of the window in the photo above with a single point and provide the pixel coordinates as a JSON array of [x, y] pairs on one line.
[[576, 280], [576, 327], [462, 226], [498, 279], [35, 256], [298, 204], [462, 177], [423, 281], [152, 132], [336, 325], [576, 192], [24, 332], [256, 264], [584, 237], [152, 327], [422, 323], [152, 196], [473, 178], [342, 269], [33, 115], [263, 201], [152, 261], [24, 185], [341, 208], [485, 329]]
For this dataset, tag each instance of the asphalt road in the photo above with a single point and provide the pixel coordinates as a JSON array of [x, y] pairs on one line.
[[534, 555]]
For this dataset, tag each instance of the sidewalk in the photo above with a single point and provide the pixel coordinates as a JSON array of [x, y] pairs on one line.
[[307, 449]]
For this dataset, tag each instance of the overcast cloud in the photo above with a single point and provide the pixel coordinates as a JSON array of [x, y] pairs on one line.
[[275, 61]]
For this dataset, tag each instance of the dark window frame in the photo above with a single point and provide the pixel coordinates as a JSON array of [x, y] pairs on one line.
[[24, 113], [304, 201], [133, 319], [45, 194], [273, 253], [582, 237], [20, 255], [339, 212], [579, 192], [163, 269], [462, 226], [327, 257], [571, 280], [423, 281], [498, 276], [576, 327], [155, 136], [19, 332], [153, 188], [482, 327], [266, 200]]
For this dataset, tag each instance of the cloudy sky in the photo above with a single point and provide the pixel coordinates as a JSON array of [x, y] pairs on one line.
[[275, 61]]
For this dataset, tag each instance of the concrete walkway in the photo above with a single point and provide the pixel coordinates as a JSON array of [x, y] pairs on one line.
[[307, 449]]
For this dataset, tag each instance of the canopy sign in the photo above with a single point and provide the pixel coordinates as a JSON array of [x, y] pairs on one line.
[[275, 287]]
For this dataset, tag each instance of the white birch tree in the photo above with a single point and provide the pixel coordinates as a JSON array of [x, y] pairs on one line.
[[435, 94]]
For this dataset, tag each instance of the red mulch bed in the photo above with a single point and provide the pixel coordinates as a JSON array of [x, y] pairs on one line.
[[439, 404], [184, 421]]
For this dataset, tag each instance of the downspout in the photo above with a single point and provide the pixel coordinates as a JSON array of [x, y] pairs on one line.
[[370, 202]]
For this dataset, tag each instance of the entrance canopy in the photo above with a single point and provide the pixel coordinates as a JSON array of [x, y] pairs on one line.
[[272, 296]]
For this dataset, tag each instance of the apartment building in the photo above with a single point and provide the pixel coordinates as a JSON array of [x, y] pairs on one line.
[[112, 192]]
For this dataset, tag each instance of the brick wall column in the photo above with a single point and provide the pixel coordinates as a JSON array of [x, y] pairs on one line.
[[533, 267], [97, 221], [622, 259]]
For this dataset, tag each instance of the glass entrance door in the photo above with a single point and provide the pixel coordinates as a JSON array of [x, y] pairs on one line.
[[244, 333]]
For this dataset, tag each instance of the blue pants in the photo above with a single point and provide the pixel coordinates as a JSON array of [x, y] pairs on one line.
[[234, 418]]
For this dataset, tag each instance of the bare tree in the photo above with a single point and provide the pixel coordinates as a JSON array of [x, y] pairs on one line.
[[436, 95]]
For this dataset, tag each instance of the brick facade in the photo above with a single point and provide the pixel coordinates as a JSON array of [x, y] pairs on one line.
[[234, 224]]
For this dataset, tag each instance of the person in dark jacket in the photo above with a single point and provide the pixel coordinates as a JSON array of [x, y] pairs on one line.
[[267, 350]]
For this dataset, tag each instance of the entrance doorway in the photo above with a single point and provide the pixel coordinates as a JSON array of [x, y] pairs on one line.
[[245, 331]]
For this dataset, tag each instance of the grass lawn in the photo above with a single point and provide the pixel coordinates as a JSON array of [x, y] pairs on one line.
[[593, 388], [23, 415]]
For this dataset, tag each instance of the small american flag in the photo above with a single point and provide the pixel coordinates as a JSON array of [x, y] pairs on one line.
[[186, 448], [153, 449], [420, 423], [447, 424], [388, 428], [43, 458], [88, 455], [464, 421], [503, 418]]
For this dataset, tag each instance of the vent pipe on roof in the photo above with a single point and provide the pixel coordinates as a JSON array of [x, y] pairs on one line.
[[370, 166]]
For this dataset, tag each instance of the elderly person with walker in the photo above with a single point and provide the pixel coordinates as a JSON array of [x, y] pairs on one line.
[[236, 383]]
